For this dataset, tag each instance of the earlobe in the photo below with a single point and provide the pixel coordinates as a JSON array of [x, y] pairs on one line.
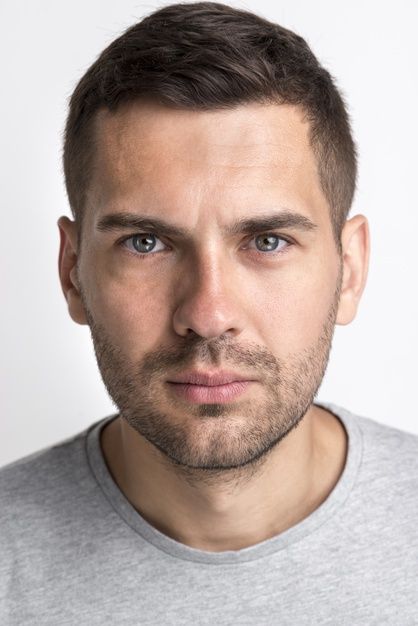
[[355, 240], [68, 271]]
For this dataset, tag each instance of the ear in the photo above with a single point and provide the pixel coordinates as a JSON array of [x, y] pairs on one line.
[[355, 241], [67, 267]]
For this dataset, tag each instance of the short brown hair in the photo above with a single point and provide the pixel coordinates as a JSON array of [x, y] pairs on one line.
[[207, 55]]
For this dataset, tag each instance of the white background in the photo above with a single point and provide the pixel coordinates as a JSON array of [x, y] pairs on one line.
[[50, 384]]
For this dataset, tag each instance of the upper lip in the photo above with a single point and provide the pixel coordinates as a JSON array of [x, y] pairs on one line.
[[210, 379]]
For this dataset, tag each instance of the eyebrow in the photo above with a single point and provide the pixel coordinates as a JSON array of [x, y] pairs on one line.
[[133, 221]]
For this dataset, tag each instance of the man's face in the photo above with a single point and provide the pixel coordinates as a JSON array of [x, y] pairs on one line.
[[262, 304]]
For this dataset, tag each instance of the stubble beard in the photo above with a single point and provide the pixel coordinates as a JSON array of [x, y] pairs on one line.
[[204, 442]]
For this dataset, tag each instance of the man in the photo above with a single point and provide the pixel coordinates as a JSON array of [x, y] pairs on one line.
[[210, 169]]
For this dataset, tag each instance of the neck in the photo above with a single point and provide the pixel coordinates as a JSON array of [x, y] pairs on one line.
[[233, 509]]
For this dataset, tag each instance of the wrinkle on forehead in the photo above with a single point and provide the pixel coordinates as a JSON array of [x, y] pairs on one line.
[[148, 148], [139, 131]]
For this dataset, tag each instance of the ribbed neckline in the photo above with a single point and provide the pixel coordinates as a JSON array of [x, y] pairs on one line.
[[159, 540]]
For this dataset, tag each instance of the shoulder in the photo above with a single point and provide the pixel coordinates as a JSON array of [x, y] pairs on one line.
[[48, 500], [388, 444], [39, 471], [388, 463], [45, 485], [378, 438]]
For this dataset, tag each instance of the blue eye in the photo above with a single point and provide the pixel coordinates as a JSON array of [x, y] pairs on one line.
[[269, 242], [143, 244]]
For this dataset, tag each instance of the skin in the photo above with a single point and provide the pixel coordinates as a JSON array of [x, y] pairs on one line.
[[214, 476]]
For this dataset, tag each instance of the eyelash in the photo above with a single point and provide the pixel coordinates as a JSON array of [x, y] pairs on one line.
[[142, 255]]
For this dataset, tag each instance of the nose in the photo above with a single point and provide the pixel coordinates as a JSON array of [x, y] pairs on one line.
[[207, 301]]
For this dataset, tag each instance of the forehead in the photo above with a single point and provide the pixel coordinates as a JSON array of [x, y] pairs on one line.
[[222, 158]]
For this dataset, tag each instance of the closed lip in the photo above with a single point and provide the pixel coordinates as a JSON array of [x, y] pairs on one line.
[[210, 379]]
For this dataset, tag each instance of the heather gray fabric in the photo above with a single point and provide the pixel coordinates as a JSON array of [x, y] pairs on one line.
[[74, 551]]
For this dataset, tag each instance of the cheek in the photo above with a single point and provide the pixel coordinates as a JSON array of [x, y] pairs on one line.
[[133, 313], [297, 308], [284, 308]]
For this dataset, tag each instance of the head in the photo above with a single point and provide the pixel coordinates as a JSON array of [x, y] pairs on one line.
[[210, 169]]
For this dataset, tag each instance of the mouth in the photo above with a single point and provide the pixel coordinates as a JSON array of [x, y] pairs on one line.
[[210, 379], [210, 393]]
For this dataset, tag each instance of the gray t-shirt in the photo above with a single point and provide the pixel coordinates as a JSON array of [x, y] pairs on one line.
[[74, 551]]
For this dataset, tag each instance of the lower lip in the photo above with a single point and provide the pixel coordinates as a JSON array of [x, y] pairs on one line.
[[217, 393]]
